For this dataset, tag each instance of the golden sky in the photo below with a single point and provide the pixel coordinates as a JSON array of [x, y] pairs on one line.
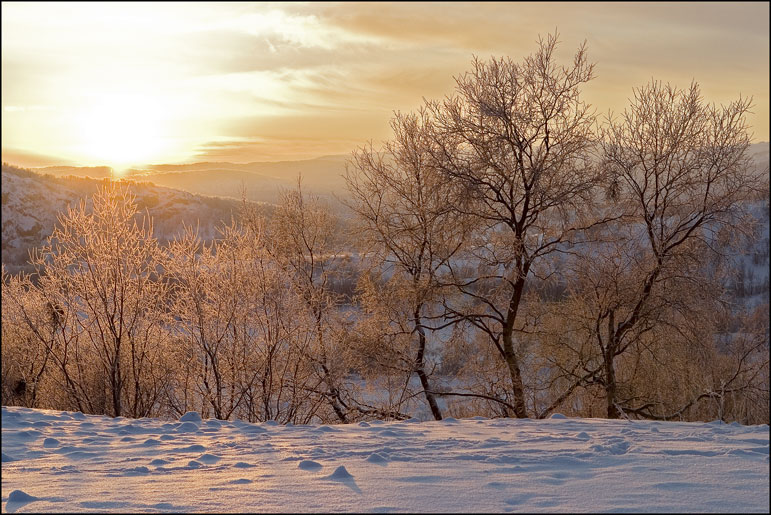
[[135, 83]]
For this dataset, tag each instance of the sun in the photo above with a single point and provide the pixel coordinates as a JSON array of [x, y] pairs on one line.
[[121, 129]]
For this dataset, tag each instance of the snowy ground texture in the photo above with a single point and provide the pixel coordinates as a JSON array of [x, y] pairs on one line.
[[60, 461]]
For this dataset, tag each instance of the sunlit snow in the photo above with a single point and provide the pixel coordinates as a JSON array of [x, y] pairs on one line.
[[60, 461]]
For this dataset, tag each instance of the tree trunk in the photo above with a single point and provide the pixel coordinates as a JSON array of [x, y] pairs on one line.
[[420, 368], [517, 388], [610, 371], [115, 386], [610, 387]]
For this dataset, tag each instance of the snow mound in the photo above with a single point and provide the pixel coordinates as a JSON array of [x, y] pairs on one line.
[[192, 448], [191, 416], [208, 458], [20, 496], [309, 465], [50, 442], [187, 427], [138, 470], [340, 473], [377, 459]]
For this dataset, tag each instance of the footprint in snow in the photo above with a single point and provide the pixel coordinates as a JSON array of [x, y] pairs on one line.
[[244, 465], [50, 442]]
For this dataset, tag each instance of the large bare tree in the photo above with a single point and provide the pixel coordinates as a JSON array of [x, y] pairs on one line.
[[515, 142], [680, 174]]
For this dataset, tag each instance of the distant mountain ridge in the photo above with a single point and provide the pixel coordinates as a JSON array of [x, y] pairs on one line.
[[260, 181], [264, 181]]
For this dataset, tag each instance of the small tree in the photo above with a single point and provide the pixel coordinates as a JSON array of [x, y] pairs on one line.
[[411, 232], [98, 278], [26, 355], [308, 248]]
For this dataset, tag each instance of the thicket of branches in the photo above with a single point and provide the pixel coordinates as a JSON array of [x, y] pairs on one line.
[[514, 255]]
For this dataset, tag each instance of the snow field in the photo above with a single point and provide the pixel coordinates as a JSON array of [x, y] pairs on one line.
[[66, 462]]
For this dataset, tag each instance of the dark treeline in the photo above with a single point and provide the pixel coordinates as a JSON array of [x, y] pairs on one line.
[[511, 254]]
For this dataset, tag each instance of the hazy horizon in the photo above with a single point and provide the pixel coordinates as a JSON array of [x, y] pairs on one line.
[[123, 85]]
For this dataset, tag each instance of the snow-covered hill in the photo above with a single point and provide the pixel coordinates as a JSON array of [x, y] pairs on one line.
[[31, 203], [62, 462]]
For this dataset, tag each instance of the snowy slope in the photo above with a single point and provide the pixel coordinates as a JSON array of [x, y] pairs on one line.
[[60, 461]]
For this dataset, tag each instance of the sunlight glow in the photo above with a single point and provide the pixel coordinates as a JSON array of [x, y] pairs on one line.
[[122, 129]]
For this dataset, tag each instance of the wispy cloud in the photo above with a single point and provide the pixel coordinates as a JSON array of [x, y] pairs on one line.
[[263, 81]]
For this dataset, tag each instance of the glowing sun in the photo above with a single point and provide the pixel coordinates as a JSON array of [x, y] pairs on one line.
[[121, 129]]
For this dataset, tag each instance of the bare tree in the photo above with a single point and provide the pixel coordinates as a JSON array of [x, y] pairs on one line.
[[410, 231], [26, 358], [679, 172], [515, 141], [240, 324], [307, 246], [105, 324]]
